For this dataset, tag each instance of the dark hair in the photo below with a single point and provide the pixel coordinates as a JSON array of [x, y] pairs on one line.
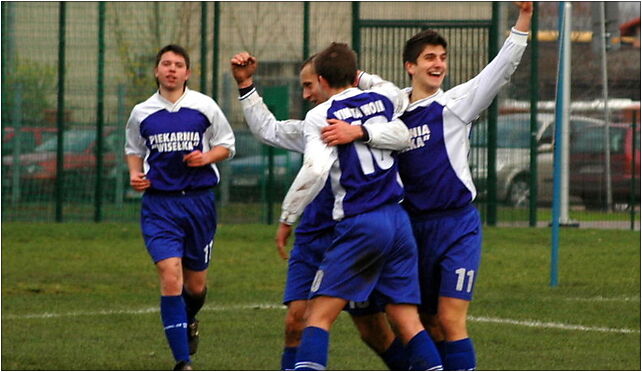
[[337, 64], [416, 44], [308, 61], [176, 49]]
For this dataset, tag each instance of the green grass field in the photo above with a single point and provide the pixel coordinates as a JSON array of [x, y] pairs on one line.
[[85, 297]]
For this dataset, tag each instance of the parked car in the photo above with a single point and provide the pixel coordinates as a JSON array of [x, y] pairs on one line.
[[30, 137], [513, 156], [588, 175], [37, 168], [249, 175]]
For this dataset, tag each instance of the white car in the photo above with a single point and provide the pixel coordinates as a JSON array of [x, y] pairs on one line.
[[513, 156]]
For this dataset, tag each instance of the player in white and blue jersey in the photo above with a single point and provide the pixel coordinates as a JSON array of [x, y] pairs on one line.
[[173, 140], [438, 184], [373, 250], [313, 234]]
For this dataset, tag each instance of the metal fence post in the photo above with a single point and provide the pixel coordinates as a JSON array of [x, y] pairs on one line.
[[100, 108], [491, 157], [203, 87], [634, 139], [60, 115], [534, 91]]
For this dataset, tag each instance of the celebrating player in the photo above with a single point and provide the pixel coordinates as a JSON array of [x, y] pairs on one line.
[[373, 250], [438, 184], [173, 140], [314, 233]]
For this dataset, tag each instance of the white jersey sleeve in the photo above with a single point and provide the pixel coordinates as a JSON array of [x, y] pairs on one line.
[[318, 159], [285, 134], [134, 143], [468, 100], [376, 84]]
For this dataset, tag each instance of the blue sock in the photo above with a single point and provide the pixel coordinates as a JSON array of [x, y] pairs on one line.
[[287, 358], [395, 356], [313, 350], [423, 354], [175, 322], [441, 348], [460, 355]]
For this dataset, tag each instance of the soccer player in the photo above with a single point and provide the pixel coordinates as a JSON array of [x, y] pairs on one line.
[[438, 184], [373, 250], [314, 234], [173, 140]]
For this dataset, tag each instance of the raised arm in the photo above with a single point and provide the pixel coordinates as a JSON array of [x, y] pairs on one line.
[[285, 134], [468, 100]]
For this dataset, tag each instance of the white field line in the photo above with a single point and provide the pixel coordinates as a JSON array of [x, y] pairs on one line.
[[538, 324], [480, 319], [599, 299]]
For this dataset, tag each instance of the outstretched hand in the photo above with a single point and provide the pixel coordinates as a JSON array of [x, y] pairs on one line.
[[243, 66]]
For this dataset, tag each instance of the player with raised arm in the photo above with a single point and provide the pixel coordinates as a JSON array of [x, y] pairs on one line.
[[313, 235], [373, 250], [438, 184], [173, 140]]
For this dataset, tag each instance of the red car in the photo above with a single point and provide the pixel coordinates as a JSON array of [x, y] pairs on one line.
[[30, 137], [588, 169], [37, 168]]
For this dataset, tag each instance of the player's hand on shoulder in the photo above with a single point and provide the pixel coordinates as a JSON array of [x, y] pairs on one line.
[[243, 66], [138, 181], [340, 132]]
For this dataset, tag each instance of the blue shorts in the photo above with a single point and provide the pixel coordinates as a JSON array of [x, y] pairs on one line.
[[449, 246], [305, 258], [177, 225], [373, 252]]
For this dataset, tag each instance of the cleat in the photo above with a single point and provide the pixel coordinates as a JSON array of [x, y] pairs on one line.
[[192, 336], [183, 366]]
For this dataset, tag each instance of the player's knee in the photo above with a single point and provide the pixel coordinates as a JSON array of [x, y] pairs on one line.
[[294, 325], [452, 322]]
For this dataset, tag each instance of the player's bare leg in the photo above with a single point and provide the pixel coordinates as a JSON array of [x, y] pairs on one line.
[[194, 293], [170, 272], [376, 332], [422, 352], [458, 348], [452, 318], [295, 322], [313, 351]]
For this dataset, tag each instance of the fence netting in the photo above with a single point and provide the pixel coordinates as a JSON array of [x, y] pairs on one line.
[[105, 74]]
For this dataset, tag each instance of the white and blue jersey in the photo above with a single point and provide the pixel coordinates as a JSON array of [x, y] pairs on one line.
[[178, 215], [314, 232], [162, 132], [438, 183], [435, 169], [362, 178], [373, 250]]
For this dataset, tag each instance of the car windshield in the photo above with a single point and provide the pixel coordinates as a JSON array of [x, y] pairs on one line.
[[591, 140], [73, 141], [512, 133]]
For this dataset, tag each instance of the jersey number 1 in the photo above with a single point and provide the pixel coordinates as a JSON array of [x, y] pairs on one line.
[[366, 154]]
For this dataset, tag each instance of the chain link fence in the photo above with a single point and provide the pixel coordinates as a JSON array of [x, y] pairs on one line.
[[108, 51]]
